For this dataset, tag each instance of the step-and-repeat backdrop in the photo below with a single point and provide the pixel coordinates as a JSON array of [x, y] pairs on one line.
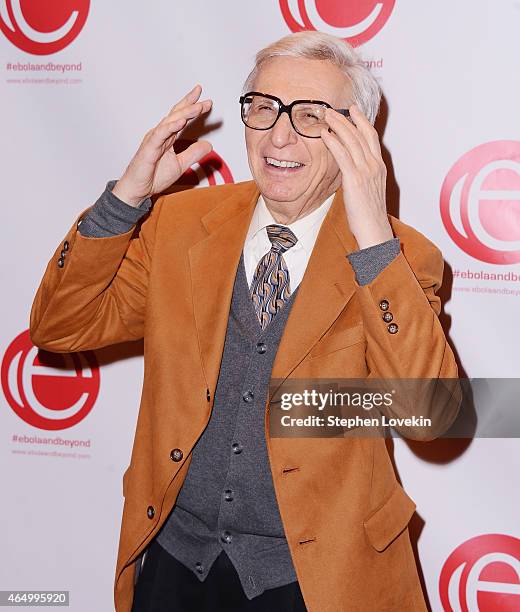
[[81, 82]]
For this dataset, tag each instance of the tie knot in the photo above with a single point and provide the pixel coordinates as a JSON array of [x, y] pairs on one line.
[[281, 238]]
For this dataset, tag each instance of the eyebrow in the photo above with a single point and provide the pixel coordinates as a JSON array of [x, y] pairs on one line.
[[295, 99]]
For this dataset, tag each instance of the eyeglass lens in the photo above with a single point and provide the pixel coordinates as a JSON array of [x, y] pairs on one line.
[[260, 113]]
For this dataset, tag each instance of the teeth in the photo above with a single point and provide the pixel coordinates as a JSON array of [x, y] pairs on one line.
[[282, 164]]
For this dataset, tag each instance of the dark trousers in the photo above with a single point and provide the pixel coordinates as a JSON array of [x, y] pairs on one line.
[[166, 585]]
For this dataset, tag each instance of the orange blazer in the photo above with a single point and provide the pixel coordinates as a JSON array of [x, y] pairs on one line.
[[344, 513]]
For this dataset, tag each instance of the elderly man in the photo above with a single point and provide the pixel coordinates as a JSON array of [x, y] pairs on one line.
[[298, 273]]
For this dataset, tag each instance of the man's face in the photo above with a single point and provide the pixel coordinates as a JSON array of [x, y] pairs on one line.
[[291, 189]]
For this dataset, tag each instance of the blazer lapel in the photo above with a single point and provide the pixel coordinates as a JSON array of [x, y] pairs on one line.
[[213, 265]]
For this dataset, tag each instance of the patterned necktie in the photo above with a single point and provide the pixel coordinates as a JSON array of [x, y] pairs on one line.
[[270, 288]]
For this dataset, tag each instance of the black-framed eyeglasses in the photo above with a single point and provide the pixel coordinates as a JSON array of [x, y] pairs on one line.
[[260, 111]]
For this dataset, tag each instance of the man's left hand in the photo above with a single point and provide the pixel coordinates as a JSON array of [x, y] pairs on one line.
[[358, 154]]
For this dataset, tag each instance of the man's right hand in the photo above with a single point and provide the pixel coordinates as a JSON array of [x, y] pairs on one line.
[[156, 166]]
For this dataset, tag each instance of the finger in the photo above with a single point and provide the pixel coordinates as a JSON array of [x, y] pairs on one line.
[[189, 112], [178, 120], [191, 97], [339, 152], [349, 135], [206, 105], [194, 153], [367, 129]]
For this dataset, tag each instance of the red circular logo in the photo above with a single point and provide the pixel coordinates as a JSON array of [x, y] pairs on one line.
[[480, 202], [210, 170], [355, 21], [42, 28], [55, 394], [482, 574]]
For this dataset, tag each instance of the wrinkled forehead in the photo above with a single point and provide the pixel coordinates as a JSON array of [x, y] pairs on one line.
[[291, 78]]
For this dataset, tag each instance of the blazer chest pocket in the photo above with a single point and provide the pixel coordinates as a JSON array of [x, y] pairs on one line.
[[338, 340], [390, 519]]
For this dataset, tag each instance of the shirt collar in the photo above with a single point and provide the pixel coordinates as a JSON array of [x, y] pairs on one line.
[[305, 229]]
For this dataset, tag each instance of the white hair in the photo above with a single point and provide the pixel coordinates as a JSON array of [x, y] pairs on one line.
[[320, 46]]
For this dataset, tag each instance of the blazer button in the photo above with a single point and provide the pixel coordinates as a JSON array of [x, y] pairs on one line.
[[61, 262], [387, 317], [176, 454], [208, 395], [384, 304], [66, 245], [150, 512], [393, 328]]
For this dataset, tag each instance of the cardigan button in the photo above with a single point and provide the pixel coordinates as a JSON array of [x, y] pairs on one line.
[[66, 245], [226, 537], [248, 396], [176, 454], [388, 316], [150, 512], [384, 304], [61, 262]]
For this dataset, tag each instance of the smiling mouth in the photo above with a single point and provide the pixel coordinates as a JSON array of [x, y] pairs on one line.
[[279, 165]]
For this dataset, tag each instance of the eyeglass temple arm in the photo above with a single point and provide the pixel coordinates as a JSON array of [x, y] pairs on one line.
[[345, 112]]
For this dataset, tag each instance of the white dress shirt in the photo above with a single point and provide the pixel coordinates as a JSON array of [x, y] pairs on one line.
[[306, 229]]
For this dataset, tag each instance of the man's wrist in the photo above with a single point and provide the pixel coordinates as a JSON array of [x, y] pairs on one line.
[[119, 192], [373, 235]]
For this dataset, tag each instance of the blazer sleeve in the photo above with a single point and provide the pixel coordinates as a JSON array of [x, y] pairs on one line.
[[93, 292], [409, 346]]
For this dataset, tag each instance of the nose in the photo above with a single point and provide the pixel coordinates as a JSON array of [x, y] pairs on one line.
[[282, 133]]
